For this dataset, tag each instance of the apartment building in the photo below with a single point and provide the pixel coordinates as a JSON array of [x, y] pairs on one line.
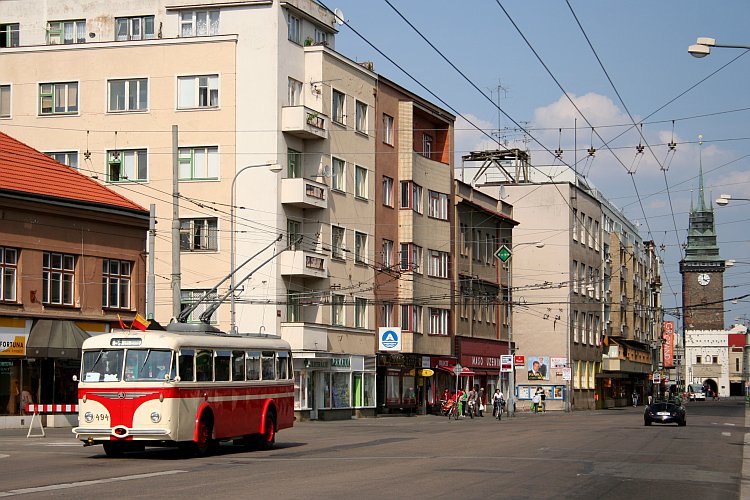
[[249, 86], [413, 282]]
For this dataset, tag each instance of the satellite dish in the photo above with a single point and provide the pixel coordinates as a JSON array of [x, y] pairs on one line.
[[339, 14], [326, 170]]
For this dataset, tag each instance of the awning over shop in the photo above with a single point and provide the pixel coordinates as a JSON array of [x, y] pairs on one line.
[[465, 372], [54, 338]]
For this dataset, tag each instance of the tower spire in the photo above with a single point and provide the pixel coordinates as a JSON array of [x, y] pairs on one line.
[[701, 195]]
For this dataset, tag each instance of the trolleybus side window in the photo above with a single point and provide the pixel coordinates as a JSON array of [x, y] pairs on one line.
[[187, 372], [253, 365], [282, 365], [102, 365], [238, 365], [204, 366], [222, 361], [267, 364]]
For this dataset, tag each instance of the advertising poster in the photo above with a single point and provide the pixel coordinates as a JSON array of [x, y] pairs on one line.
[[558, 362], [668, 346], [538, 367]]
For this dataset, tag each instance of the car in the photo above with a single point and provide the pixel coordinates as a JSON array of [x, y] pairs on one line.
[[696, 392], [665, 412]]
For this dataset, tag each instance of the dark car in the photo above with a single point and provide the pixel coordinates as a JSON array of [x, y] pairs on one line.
[[665, 412]]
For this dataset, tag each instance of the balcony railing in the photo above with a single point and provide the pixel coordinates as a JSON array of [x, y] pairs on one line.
[[304, 193], [304, 122]]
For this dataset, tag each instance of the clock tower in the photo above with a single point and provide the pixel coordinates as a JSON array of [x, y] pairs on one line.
[[702, 270]]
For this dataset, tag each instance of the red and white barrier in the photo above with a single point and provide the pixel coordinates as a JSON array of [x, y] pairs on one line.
[[35, 410]]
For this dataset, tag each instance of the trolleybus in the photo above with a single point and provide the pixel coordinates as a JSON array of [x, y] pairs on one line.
[[189, 386]]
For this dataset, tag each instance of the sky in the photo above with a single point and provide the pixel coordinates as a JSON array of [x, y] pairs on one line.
[[620, 63]]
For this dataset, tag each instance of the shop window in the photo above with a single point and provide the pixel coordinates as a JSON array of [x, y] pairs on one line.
[[392, 388], [340, 390]]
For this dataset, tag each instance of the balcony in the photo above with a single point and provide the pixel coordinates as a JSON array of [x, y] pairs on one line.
[[305, 336], [303, 264], [304, 122], [304, 193]]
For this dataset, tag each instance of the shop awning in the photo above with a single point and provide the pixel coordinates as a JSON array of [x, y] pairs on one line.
[[55, 338], [465, 372]]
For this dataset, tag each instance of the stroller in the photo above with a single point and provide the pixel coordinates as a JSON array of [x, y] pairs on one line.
[[449, 408]]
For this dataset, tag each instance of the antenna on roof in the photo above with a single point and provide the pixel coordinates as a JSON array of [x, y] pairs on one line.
[[339, 15]]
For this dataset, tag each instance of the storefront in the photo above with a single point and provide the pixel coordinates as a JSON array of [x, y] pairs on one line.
[[482, 356], [333, 386], [405, 383]]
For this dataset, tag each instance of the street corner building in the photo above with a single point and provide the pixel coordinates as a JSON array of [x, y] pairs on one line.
[[72, 257]]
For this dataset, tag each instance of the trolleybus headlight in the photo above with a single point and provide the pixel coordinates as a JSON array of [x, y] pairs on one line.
[[89, 417], [155, 417]]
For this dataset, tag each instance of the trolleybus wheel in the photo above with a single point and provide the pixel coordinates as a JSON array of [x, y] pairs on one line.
[[203, 444], [268, 438], [114, 449]]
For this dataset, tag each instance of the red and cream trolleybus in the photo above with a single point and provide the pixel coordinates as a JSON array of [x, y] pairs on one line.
[[189, 386]]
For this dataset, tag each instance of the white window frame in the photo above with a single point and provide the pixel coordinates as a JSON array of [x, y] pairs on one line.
[[188, 161], [8, 274], [360, 247], [337, 309], [137, 27], [134, 95], [386, 314], [321, 37], [388, 129], [360, 312], [69, 158], [438, 205], [5, 101], [388, 191], [189, 23], [427, 145], [338, 107], [338, 174], [63, 275], [188, 297], [360, 117], [198, 91], [294, 92], [338, 242], [438, 264], [438, 321], [199, 234], [66, 32], [117, 277], [56, 93], [360, 182], [294, 28], [387, 253], [133, 165], [416, 198]]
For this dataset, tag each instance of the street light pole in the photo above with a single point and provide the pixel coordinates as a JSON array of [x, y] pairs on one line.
[[703, 45], [724, 199], [273, 167]]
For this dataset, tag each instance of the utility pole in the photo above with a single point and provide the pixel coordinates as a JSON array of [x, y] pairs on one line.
[[176, 275], [151, 277]]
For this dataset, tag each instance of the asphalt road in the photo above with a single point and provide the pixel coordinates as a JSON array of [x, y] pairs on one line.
[[605, 454]]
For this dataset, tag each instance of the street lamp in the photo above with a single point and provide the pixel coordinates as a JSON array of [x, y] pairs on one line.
[[724, 199], [703, 46], [512, 374], [273, 167]]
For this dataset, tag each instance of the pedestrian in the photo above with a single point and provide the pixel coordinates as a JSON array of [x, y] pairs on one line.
[[463, 398], [543, 397], [480, 402], [650, 398], [472, 401], [635, 398], [535, 401], [497, 408]]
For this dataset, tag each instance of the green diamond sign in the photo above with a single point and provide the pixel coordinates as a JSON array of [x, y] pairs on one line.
[[503, 253]]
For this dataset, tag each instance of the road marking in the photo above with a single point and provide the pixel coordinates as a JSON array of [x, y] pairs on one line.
[[726, 434], [4, 456], [64, 486], [729, 424]]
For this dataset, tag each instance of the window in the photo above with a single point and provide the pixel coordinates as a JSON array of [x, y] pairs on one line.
[[411, 318], [387, 191], [411, 257], [199, 23], [58, 278], [337, 242], [283, 365], [590, 231], [360, 182], [294, 29], [198, 163], [386, 314], [360, 247], [69, 158], [581, 231], [338, 105], [9, 35], [198, 234], [337, 309], [127, 165], [4, 101], [438, 207], [714, 359], [321, 37], [128, 95], [252, 365], [438, 321], [337, 174], [116, 284], [360, 312], [411, 196], [200, 91], [360, 117], [8, 273], [388, 129], [238, 366], [66, 32], [426, 145], [438, 264], [698, 360], [294, 234], [294, 161], [294, 92], [189, 297], [58, 98], [293, 307], [417, 198], [204, 366], [267, 365], [134, 28], [387, 254], [575, 225]]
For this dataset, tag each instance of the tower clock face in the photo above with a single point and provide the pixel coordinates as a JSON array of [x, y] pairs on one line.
[[704, 279]]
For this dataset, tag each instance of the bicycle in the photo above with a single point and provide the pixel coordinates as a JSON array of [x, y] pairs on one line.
[[451, 410]]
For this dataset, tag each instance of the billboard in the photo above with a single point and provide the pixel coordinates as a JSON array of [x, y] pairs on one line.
[[668, 345], [538, 367]]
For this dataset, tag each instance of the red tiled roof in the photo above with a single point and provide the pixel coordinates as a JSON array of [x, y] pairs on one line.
[[23, 169]]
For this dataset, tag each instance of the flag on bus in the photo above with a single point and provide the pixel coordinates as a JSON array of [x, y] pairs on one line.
[[140, 322]]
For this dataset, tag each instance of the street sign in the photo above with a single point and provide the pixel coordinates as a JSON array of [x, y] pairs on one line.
[[519, 360], [657, 378], [457, 369], [566, 373], [503, 254], [506, 362]]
